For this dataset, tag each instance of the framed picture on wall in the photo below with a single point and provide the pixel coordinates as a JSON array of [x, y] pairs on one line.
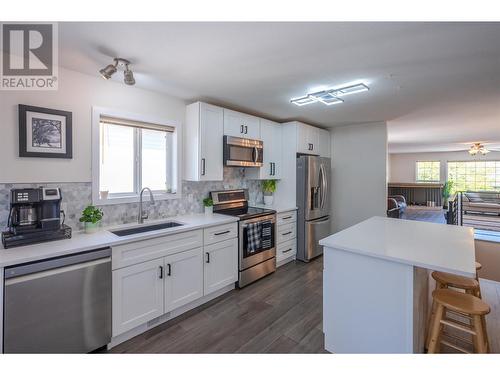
[[45, 133]]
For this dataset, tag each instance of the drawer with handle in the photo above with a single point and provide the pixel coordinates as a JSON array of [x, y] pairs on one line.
[[286, 250], [286, 217], [220, 233], [286, 232]]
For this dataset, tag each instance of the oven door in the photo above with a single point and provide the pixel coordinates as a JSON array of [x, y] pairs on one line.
[[242, 152], [267, 249]]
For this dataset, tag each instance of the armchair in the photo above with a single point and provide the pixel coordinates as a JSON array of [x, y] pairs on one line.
[[401, 202]]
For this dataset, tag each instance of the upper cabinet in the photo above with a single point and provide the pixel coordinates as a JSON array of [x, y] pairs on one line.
[[271, 135], [308, 139], [237, 124], [324, 143], [203, 142]]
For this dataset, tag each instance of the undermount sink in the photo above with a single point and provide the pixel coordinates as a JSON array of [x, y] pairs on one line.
[[145, 228]]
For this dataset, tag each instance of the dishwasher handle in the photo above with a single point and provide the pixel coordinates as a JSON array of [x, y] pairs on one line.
[[57, 262]]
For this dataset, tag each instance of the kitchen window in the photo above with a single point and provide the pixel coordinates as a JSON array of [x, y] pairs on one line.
[[428, 171], [133, 154]]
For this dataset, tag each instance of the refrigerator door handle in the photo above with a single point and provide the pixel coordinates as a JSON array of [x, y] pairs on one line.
[[322, 187]]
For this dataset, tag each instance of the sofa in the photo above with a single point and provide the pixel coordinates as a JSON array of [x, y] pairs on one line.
[[396, 206], [481, 202]]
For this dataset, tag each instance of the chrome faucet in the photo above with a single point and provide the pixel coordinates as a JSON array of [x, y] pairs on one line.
[[144, 215]]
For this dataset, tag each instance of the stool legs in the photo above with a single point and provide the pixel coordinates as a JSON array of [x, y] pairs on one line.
[[479, 340], [435, 330]]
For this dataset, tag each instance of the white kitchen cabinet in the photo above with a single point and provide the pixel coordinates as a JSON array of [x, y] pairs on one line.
[[271, 135], [324, 143], [307, 139], [220, 265], [137, 295], [183, 278], [203, 142], [237, 124]]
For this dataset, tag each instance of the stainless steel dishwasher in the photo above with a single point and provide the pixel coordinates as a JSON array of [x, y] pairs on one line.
[[58, 305]]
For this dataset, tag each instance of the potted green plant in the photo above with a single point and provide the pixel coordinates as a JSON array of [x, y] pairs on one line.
[[268, 188], [91, 216], [209, 206], [447, 188]]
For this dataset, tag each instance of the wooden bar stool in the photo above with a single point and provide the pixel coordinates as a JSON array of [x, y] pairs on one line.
[[445, 280], [463, 303]]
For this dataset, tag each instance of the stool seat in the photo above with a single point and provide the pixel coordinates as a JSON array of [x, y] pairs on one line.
[[478, 266], [455, 281], [461, 302]]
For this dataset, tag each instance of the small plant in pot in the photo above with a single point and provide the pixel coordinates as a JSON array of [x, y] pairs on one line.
[[91, 216], [209, 206], [447, 188], [268, 188]]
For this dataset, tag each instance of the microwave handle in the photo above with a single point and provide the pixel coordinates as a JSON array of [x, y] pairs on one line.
[[255, 154]]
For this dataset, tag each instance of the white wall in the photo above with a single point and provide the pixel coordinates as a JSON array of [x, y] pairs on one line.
[[402, 166], [77, 94], [359, 173]]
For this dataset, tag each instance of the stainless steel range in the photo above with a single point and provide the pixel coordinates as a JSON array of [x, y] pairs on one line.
[[257, 228]]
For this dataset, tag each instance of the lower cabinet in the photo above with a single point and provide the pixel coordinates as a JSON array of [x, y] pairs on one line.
[[152, 288], [221, 265], [137, 295], [183, 278]]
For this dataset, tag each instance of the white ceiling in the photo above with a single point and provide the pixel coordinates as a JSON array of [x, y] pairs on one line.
[[437, 84]]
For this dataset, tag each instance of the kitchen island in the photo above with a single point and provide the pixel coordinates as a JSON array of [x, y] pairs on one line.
[[375, 282]]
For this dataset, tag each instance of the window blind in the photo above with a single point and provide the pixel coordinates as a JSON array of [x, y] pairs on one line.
[[136, 124]]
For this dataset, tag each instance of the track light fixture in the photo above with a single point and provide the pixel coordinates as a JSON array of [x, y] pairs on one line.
[[128, 75]]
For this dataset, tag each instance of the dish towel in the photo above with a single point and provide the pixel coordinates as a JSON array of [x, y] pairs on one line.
[[254, 234]]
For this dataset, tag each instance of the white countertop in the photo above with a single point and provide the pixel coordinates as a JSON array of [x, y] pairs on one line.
[[276, 207], [83, 242], [440, 247]]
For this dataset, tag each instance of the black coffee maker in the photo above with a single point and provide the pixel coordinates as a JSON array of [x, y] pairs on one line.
[[35, 216]]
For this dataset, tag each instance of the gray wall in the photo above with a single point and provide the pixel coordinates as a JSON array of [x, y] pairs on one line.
[[359, 173]]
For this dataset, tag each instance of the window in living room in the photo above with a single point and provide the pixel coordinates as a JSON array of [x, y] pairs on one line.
[[428, 171], [474, 175]]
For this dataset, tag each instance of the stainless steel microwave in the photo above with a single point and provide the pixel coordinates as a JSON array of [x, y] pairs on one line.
[[243, 152]]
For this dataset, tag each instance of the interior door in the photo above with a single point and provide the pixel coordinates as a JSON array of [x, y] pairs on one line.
[[315, 231]]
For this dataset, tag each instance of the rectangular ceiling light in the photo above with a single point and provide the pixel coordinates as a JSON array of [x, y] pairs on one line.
[[354, 89], [330, 96], [303, 101], [326, 97]]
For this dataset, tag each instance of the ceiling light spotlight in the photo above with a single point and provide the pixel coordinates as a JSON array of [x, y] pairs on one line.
[[330, 96], [108, 71], [128, 76], [478, 148]]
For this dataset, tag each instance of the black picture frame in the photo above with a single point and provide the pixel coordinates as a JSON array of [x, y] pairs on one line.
[[23, 132]]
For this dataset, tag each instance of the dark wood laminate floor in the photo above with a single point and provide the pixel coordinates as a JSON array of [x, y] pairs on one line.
[[281, 313]]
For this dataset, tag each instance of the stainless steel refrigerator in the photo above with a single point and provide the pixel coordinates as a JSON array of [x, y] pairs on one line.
[[313, 201]]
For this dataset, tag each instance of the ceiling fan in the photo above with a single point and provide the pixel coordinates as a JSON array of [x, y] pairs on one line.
[[479, 149]]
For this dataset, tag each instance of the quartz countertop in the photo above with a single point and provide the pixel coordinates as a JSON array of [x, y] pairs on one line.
[[278, 207], [83, 242], [440, 247]]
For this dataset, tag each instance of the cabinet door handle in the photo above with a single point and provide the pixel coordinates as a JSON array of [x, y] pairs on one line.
[[312, 146], [286, 234], [274, 169], [242, 128], [161, 272], [287, 217], [169, 272], [208, 257], [203, 167], [220, 233], [246, 129], [286, 251], [271, 171]]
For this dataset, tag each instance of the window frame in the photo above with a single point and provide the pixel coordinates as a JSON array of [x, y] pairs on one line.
[[427, 181], [468, 161], [120, 198]]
